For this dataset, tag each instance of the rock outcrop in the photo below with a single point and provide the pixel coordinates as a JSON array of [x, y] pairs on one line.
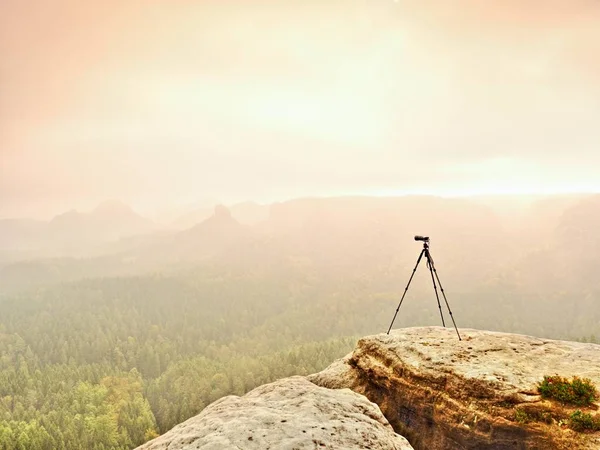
[[441, 393], [291, 413], [476, 394]]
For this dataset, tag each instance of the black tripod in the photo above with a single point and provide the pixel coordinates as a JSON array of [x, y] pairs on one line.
[[431, 267]]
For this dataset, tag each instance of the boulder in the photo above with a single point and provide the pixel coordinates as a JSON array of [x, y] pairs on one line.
[[476, 394], [291, 413]]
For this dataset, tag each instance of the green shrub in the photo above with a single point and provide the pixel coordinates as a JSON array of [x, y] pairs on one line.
[[580, 421], [521, 416], [537, 413], [579, 391]]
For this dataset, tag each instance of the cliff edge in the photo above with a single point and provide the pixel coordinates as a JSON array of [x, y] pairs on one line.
[[475, 394]]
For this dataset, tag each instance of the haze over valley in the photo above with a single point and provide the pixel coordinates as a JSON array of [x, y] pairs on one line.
[[198, 198]]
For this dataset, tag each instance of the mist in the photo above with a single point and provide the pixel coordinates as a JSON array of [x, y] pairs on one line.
[[161, 104], [197, 198]]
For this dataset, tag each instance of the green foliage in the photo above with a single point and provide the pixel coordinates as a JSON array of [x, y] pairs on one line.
[[537, 412], [578, 391], [110, 364], [521, 416], [580, 421]]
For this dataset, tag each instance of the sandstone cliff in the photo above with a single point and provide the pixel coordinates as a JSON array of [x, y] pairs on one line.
[[442, 393], [291, 413]]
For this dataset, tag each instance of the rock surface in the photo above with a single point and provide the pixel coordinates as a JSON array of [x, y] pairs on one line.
[[291, 413], [442, 393]]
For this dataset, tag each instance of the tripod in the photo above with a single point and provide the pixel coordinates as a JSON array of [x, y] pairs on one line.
[[434, 276]]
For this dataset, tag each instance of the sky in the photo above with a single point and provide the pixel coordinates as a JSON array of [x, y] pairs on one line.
[[168, 102]]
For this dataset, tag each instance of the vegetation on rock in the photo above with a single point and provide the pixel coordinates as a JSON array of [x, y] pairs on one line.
[[580, 421], [578, 391]]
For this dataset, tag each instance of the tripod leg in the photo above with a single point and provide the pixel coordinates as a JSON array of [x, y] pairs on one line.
[[444, 295], [406, 290], [429, 266]]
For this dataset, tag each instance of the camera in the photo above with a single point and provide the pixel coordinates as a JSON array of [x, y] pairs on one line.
[[422, 238]]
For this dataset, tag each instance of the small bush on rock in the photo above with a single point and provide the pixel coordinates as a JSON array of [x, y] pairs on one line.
[[521, 416], [579, 391], [580, 421]]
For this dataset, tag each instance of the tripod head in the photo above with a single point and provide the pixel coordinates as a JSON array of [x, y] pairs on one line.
[[424, 239]]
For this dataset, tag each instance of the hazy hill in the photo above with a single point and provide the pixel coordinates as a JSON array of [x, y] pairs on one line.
[[565, 254], [19, 237], [343, 237], [109, 221], [579, 225], [366, 232], [576, 241], [72, 233], [247, 213], [217, 237], [207, 239]]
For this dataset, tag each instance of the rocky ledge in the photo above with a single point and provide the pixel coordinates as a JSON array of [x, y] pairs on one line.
[[475, 394], [291, 413]]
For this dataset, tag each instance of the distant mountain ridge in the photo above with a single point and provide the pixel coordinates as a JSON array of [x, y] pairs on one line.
[[332, 235], [73, 233]]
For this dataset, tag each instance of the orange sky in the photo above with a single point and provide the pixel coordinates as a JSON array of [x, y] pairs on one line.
[[160, 102]]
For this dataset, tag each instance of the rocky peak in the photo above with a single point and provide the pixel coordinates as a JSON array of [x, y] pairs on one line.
[[222, 212]]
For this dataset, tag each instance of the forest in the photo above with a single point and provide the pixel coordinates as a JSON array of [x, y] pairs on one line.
[[200, 197], [112, 363], [109, 361]]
